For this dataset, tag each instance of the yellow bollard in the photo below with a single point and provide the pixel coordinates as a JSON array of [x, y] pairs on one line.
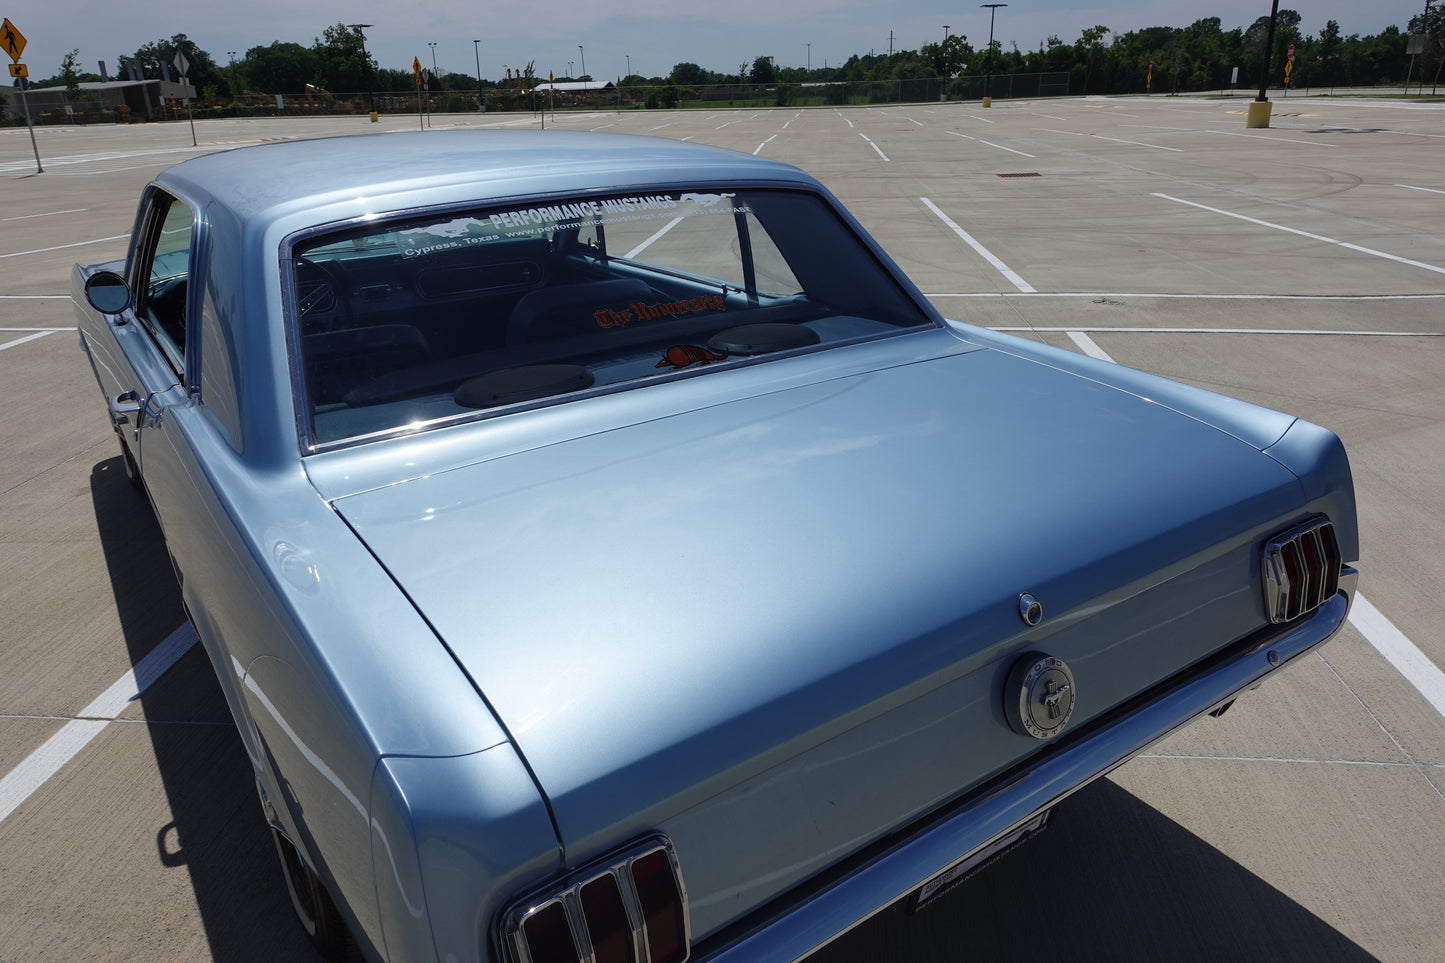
[[374, 118], [988, 102], [1258, 115]]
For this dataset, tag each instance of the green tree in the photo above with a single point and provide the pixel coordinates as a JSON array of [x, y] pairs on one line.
[[1432, 24], [68, 75], [763, 71], [691, 75], [1329, 48], [157, 58], [280, 68], [342, 62], [948, 58], [1090, 43]]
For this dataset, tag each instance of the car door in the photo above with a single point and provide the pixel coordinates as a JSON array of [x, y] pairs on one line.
[[152, 394]]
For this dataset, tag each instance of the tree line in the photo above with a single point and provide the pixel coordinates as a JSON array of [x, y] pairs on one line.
[[1199, 57]]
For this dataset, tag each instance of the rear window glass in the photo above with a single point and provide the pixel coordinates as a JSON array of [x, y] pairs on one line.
[[408, 325]]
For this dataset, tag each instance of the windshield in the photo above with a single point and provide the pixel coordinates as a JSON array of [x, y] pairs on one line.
[[463, 315]]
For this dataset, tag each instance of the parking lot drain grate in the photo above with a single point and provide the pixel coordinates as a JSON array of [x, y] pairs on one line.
[[1027, 174]]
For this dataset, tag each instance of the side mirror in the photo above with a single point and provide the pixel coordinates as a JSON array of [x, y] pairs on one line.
[[107, 292]]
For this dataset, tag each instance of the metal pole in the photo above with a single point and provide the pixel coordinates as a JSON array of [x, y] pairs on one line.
[[189, 116], [988, 73], [1268, 49], [584, 66], [31, 127]]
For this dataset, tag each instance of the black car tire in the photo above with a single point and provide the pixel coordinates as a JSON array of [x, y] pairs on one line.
[[315, 909]]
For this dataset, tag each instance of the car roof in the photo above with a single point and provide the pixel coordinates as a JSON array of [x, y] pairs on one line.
[[388, 171]]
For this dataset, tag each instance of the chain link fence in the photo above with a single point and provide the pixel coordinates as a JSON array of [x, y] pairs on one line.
[[608, 97]]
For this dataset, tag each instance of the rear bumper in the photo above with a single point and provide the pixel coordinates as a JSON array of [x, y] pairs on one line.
[[802, 922]]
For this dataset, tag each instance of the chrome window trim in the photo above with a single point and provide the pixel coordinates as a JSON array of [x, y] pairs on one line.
[[309, 445]]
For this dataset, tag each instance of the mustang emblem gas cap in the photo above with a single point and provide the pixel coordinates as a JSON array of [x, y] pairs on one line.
[[1039, 696]]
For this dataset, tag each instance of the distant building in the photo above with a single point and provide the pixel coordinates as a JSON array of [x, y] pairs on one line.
[[144, 97]]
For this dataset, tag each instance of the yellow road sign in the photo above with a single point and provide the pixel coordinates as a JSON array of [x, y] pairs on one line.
[[1288, 66], [19, 70], [12, 40]]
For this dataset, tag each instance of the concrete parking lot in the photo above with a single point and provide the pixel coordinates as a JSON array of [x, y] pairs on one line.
[[1301, 267]]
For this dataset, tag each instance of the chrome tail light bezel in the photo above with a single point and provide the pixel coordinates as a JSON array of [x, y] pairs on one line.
[[567, 893], [1301, 569]]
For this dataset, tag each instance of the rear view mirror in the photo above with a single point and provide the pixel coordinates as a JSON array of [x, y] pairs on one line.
[[107, 292]]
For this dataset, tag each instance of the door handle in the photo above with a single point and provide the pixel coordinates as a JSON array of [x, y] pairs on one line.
[[122, 406]]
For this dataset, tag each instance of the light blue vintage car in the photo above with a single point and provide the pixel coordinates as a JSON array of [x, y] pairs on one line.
[[608, 555]]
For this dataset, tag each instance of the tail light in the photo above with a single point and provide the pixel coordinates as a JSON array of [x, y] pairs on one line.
[[630, 907], [1301, 569]]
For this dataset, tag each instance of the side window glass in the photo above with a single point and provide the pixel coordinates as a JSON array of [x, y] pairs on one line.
[[166, 270]]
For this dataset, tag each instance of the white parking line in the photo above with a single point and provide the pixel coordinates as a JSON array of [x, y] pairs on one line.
[[1399, 651], [19, 783], [26, 217], [764, 144], [62, 247], [873, 145], [660, 231], [988, 142], [983, 252], [1411, 187], [31, 337], [1139, 143], [1117, 140], [1278, 140], [1377, 630], [1314, 237], [1086, 344]]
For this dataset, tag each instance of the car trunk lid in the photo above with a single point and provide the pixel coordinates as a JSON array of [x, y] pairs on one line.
[[780, 626]]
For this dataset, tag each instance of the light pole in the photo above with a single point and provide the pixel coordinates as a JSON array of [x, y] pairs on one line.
[[810, 55], [945, 34], [988, 71], [569, 69], [477, 52], [583, 53], [629, 64], [1259, 109]]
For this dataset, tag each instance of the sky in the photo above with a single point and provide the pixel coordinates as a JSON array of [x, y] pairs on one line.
[[650, 35]]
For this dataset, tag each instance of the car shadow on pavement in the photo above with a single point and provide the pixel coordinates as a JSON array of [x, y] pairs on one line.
[[215, 830], [1111, 878]]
